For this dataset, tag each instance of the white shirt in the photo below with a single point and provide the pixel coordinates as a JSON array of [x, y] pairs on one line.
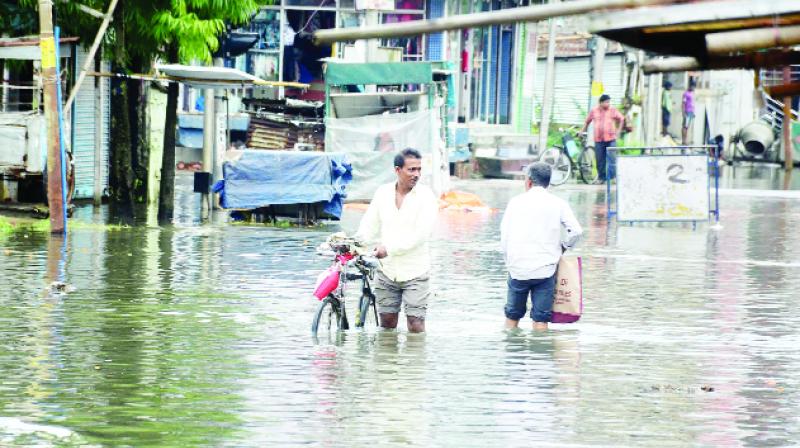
[[530, 233], [404, 232]]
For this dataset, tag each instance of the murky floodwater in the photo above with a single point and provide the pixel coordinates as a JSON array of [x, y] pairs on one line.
[[199, 336]]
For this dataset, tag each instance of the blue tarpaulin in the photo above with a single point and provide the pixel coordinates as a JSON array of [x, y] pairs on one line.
[[260, 178]]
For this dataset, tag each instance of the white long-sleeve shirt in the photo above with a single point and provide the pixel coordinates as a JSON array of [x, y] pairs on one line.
[[531, 233], [404, 232]]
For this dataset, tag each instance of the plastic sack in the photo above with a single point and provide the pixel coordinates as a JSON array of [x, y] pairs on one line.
[[568, 295]]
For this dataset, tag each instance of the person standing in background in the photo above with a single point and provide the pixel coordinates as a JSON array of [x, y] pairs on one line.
[[666, 107], [687, 106], [608, 122]]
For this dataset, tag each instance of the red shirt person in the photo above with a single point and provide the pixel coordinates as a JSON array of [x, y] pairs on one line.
[[607, 123]]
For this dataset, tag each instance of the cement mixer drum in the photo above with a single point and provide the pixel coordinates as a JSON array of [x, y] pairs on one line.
[[757, 137]]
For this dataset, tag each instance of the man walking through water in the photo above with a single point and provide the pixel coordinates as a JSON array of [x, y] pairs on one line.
[[608, 122], [400, 221], [532, 243]]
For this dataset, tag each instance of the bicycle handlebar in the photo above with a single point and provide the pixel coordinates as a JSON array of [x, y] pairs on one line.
[[370, 262]]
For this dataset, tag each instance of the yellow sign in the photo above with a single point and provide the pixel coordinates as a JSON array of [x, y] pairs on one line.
[[597, 88], [48, 47]]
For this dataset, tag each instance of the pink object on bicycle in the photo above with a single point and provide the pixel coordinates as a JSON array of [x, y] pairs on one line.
[[327, 282]]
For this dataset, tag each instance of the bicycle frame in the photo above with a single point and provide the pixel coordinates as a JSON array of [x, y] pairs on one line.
[[342, 264]]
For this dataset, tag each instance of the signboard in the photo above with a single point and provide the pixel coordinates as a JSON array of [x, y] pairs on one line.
[[662, 188]]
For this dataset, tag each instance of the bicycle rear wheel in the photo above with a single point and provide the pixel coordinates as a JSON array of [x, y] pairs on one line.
[[587, 165], [562, 167], [328, 318], [367, 312]]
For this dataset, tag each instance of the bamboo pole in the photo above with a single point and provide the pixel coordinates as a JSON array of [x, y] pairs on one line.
[[752, 39], [55, 190], [477, 20], [221, 83], [98, 39], [774, 58]]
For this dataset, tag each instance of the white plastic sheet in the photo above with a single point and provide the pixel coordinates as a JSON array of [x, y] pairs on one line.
[[371, 143]]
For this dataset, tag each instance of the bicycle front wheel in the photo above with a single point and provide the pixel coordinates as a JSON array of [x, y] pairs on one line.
[[587, 166], [562, 168], [328, 318], [367, 312]]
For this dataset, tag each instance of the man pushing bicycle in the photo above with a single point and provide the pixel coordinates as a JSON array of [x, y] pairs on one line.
[[399, 221]]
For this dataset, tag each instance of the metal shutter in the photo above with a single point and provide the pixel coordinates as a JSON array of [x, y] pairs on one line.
[[83, 132]]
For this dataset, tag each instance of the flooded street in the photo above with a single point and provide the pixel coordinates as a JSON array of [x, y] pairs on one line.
[[199, 335]]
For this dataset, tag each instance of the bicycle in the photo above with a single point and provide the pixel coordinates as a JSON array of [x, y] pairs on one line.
[[562, 159], [331, 313]]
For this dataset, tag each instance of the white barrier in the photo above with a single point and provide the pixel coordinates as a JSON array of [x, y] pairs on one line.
[[670, 186]]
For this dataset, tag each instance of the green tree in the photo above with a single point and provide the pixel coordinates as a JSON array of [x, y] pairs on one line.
[[189, 30], [143, 31]]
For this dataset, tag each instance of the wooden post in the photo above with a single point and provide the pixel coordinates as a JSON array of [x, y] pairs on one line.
[[55, 191], [787, 124], [549, 85]]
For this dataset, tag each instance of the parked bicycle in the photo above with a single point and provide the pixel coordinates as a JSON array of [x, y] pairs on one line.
[[563, 159], [331, 314]]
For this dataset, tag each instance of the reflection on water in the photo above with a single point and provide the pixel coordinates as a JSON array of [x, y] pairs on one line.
[[758, 176], [199, 336]]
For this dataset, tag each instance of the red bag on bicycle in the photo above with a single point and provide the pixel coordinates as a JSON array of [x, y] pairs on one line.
[[327, 282]]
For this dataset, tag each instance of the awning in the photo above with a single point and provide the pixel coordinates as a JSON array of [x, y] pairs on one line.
[[217, 77], [203, 77]]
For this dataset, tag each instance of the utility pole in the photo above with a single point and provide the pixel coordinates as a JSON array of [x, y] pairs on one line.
[[221, 133], [209, 137], [55, 190], [598, 48], [549, 84]]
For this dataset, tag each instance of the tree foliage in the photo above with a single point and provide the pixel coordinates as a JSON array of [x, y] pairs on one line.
[[17, 19], [143, 32], [193, 26]]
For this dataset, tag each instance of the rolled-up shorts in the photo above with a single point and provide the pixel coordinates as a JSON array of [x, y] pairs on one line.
[[688, 118], [413, 293]]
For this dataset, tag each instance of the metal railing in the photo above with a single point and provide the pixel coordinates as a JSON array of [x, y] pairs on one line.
[[772, 112]]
